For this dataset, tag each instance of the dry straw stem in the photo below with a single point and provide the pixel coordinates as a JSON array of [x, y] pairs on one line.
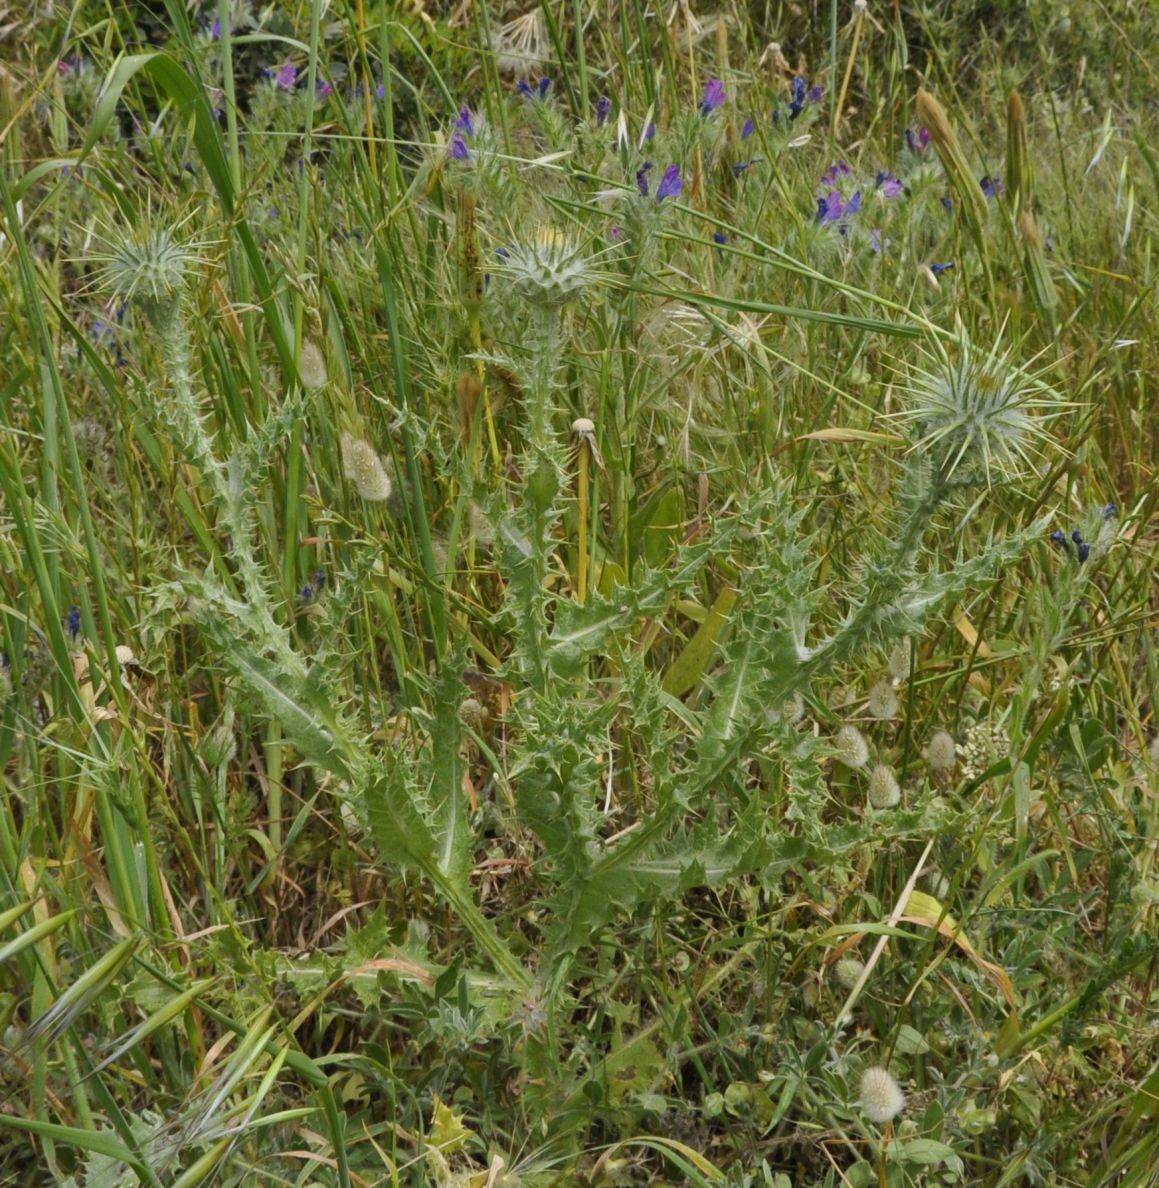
[[933, 115]]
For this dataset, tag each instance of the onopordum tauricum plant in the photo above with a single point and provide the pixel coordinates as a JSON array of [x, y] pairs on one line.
[[631, 785]]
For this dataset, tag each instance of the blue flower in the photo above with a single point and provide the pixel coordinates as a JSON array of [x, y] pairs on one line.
[[948, 203], [459, 149], [938, 269], [73, 622], [837, 170], [829, 208], [650, 131], [714, 96], [671, 184], [1110, 511], [719, 237], [1059, 538], [1077, 537], [1084, 552], [917, 143], [748, 129], [538, 92], [992, 186], [889, 186], [642, 178], [603, 110], [741, 166], [465, 122], [287, 76], [803, 94]]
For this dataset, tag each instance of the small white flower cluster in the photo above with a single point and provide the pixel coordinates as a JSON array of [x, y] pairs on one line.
[[985, 745]]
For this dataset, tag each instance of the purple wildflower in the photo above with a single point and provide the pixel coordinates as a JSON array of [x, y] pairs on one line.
[[671, 184], [837, 170], [938, 269], [888, 186], [877, 243], [854, 204], [1110, 511], [603, 110], [324, 89], [992, 186], [642, 178], [459, 149], [816, 94], [800, 92], [714, 96], [539, 91], [919, 142], [464, 122], [74, 622], [829, 208], [741, 166], [719, 238], [287, 76], [650, 131], [948, 203], [748, 129], [215, 29], [380, 90]]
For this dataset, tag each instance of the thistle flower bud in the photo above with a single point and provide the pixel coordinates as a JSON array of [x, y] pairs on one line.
[[881, 1096], [363, 467], [883, 701], [550, 272], [850, 747], [883, 790], [941, 753]]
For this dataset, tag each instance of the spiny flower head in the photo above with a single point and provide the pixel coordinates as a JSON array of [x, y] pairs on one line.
[[881, 1096], [979, 414], [550, 271], [147, 263]]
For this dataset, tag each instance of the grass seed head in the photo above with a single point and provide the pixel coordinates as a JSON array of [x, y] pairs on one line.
[[363, 467], [883, 790], [883, 703], [941, 753], [851, 749]]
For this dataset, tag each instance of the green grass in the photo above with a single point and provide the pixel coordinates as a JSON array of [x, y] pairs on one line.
[[494, 829]]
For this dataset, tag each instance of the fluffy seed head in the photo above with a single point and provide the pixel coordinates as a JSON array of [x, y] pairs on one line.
[[850, 747], [848, 971], [312, 365], [881, 1096], [941, 753], [883, 790], [363, 467], [883, 701], [899, 661]]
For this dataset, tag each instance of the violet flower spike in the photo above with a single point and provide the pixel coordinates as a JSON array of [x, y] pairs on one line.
[[459, 149], [603, 110], [714, 96], [671, 184], [748, 129], [650, 131], [464, 122], [642, 178], [287, 76], [992, 186], [889, 186]]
